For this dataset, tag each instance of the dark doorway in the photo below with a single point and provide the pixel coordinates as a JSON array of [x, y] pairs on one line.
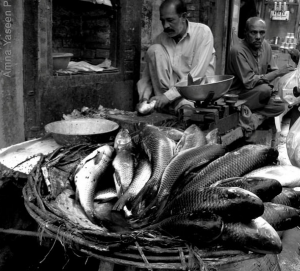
[[247, 10]]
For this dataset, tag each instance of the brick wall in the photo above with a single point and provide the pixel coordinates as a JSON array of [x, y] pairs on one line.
[[83, 29]]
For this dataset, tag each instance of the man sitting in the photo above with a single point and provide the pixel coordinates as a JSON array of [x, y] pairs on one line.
[[183, 47], [251, 63]]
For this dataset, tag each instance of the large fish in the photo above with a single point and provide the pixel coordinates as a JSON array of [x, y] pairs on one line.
[[141, 176], [199, 228], [257, 236], [88, 174], [123, 164], [192, 137], [182, 164], [289, 197], [234, 164], [281, 217], [160, 150], [287, 175], [231, 203], [266, 189]]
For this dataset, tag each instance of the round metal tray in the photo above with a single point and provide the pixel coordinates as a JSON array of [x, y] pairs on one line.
[[210, 89], [86, 130]]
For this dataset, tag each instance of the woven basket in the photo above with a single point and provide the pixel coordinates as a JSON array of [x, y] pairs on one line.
[[140, 249]]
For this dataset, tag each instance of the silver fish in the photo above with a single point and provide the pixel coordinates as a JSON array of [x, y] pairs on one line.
[[192, 137], [160, 150], [287, 175], [87, 175], [145, 107], [123, 164], [141, 176]]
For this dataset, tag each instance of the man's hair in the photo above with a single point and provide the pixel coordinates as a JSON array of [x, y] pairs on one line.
[[180, 5], [251, 21]]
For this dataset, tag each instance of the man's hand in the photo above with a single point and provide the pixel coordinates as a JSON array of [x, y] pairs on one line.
[[161, 101], [284, 70]]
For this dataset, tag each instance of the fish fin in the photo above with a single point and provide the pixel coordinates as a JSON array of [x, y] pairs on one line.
[[98, 158], [118, 184], [77, 195]]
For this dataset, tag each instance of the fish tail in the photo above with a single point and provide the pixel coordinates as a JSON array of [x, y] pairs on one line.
[[141, 203], [121, 202]]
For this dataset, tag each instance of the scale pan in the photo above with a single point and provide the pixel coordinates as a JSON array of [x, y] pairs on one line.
[[212, 88]]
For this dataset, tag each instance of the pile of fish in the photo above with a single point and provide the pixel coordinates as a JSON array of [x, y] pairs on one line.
[[186, 185]]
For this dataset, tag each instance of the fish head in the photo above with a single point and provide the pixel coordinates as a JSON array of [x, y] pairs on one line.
[[264, 188], [240, 199], [264, 239], [122, 139], [104, 152]]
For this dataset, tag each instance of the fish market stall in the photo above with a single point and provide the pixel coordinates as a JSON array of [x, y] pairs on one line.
[[189, 202], [155, 191]]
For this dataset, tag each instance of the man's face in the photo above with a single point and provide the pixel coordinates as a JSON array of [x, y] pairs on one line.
[[173, 23], [255, 35]]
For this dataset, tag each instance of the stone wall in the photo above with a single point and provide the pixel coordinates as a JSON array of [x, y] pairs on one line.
[[11, 73], [48, 97]]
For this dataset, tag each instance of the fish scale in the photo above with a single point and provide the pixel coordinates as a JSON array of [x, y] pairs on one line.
[[228, 202], [160, 150], [234, 164], [197, 227], [184, 162]]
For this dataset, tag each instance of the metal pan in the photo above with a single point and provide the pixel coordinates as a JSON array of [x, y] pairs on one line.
[[86, 130], [211, 88]]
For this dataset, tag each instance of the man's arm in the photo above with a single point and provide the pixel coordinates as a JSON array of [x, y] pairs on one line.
[[144, 86], [277, 73], [242, 70]]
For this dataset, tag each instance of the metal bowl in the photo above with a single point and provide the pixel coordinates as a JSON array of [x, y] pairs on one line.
[[211, 89], [76, 131]]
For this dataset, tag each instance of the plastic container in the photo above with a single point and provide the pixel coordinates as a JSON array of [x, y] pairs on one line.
[[61, 60]]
